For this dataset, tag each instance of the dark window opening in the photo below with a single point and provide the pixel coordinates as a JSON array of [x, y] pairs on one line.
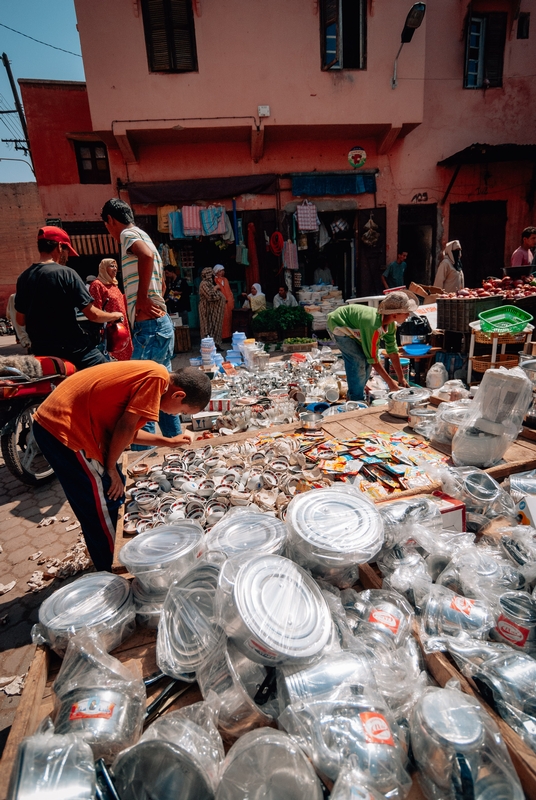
[[523, 25], [343, 30], [484, 55], [92, 160], [170, 35]]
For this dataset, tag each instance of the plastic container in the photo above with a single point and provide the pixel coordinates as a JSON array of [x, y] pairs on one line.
[[505, 319], [244, 529]]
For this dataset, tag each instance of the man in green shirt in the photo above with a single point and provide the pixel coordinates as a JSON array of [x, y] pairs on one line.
[[358, 329]]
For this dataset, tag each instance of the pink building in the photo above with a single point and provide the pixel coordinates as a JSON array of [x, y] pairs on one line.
[[210, 101]]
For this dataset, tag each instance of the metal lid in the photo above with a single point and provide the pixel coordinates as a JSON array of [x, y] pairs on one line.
[[161, 545], [282, 606], [91, 600], [247, 530], [413, 394], [451, 718], [336, 521]]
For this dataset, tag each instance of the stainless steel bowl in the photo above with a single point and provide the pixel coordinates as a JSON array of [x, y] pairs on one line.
[[420, 414], [311, 421]]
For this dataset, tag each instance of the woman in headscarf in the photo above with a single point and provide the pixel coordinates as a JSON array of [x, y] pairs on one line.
[[449, 275], [107, 296], [211, 307], [221, 281], [256, 300]]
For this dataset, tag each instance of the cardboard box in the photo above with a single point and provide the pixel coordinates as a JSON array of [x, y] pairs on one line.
[[526, 511], [204, 421], [452, 511], [428, 293]]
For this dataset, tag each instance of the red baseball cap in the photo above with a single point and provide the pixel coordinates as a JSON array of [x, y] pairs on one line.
[[54, 234]]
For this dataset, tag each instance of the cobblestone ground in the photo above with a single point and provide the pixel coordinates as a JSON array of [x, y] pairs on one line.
[[21, 510]]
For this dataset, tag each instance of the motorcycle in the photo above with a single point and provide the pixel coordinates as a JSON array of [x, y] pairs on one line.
[[20, 395]]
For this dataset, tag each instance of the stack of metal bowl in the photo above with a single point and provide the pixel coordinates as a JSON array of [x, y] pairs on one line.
[[99, 602], [246, 529], [332, 531]]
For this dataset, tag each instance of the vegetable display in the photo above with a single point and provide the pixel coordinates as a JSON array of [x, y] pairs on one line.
[[509, 288], [281, 319]]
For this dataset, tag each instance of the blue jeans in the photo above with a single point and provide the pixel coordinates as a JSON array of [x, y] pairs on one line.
[[153, 341], [356, 366]]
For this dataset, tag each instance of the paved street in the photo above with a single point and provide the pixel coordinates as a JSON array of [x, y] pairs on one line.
[[21, 510]]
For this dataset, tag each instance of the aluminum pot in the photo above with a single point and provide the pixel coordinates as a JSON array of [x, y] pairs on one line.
[[420, 414], [268, 765], [247, 530], [311, 421], [402, 401], [450, 613], [516, 623], [52, 767], [108, 720], [322, 677]]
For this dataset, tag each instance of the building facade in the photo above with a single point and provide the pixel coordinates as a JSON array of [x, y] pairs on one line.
[[257, 106]]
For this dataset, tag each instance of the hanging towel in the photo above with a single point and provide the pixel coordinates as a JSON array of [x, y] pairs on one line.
[[176, 228], [210, 219], [290, 255], [307, 216], [222, 224], [162, 217], [172, 259], [191, 219], [228, 236]]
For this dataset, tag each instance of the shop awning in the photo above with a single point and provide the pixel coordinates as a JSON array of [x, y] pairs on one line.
[[320, 184], [490, 153], [189, 191]]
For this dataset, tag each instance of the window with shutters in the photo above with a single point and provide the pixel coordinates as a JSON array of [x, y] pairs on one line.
[[343, 34], [484, 55], [92, 160], [170, 35]]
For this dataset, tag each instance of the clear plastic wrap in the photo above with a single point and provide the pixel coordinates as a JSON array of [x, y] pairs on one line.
[[147, 604], [484, 499], [267, 764], [448, 419], [179, 755], [505, 679], [518, 544], [332, 531], [272, 610], [98, 699], [99, 603], [459, 750], [330, 730], [236, 680], [521, 484], [478, 572], [243, 529], [420, 510], [352, 784], [188, 631], [160, 556], [499, 406], [381, 614], [516, 621], [448, 613], [49, 767]]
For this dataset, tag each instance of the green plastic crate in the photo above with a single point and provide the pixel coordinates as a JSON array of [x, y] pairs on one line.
[[505, 319]]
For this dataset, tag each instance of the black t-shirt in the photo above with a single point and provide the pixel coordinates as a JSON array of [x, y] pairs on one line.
[[48, 295]]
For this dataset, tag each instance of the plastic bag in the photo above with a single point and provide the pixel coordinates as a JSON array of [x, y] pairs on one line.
[[446, 612], [480, 573], [353, 784], [484, 499], [421, 510], [448, 418], [499, 406], [51, 766], [382, 615], [181, 752], [98, 699], [268, 764], [436, 376], [458, 748]]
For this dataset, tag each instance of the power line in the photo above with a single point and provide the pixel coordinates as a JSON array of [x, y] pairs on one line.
[[10, 124], [53, 46]]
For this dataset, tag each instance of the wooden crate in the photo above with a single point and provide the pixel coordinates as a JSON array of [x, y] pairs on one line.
[[182, 339]]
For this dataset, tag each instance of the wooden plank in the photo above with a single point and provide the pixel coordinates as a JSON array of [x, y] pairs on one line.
[[27, 717]]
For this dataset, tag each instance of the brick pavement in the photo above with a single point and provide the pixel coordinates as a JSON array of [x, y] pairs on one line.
[[21, 510]]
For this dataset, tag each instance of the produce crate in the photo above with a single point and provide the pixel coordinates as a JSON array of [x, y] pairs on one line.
[[455, 313], [267, 336], [306, 347], [527, 304], [182, 339]]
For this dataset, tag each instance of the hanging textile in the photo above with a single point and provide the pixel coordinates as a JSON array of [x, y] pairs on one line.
[[191, 217], [162, 217], [307, 216], [290, 255], [163, 250], [276, 243], [176, 227], [172, 259], [211, 219], [228, 236], [252, 274]]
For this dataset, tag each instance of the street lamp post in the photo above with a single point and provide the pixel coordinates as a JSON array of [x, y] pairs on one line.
[[413, 21]]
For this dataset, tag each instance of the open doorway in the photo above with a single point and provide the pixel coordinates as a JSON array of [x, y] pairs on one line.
[[417, 228], [480, 228]]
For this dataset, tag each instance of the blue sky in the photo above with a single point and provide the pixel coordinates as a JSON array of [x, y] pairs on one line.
[[51, 21]]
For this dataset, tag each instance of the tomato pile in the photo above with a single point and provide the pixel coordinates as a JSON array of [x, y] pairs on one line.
[[510, 288]]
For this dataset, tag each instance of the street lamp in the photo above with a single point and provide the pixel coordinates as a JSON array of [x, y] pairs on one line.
[[18, 159], [413, 21]]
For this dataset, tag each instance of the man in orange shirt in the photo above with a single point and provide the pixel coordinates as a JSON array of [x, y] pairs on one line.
[[85, 424]]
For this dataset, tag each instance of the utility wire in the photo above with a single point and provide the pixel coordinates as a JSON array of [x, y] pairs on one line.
[[39, 41], [10, 124]]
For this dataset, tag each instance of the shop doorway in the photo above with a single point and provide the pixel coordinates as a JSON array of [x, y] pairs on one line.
[[480, 228], [417, 230], [371, 250]]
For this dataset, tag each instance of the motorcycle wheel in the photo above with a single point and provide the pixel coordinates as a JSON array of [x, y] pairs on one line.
[[21, 454]]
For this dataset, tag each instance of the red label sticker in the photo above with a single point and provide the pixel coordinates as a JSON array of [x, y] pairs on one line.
[[381, 617], [511, 631], [261, 650], [463, 604], [91, 708], [376, 728]]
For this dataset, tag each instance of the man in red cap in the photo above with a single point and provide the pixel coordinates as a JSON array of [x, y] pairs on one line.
[[48, 296]]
